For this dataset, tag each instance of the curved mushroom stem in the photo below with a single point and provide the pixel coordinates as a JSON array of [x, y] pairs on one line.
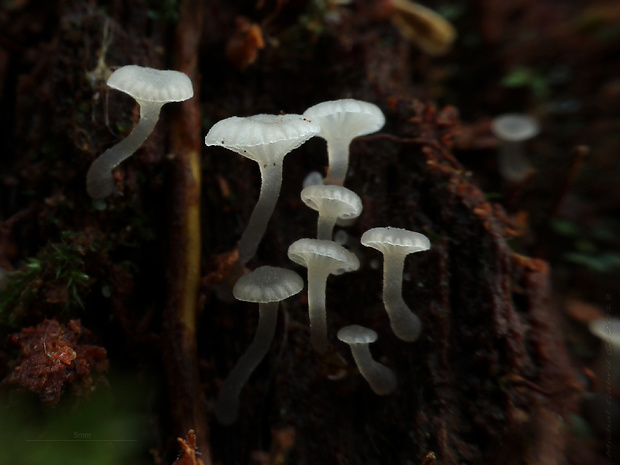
[[325, 228], [380, 378], [338, 156], [99, 180], [271, 181], [227, 404], [512, 162], [317, 283], [405, 324]]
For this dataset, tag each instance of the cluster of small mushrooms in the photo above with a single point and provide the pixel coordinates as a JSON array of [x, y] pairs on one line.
[[267, 139]]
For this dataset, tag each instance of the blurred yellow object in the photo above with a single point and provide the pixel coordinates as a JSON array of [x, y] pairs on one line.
[[422, 26]]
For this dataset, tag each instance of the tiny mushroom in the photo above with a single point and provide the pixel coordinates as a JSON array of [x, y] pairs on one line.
[[395, 244], [341, 121], [332, 203], [513, 130], [608, 362], [151, 88], [321, 258], [267, 286], [380, 378], [265, 139]]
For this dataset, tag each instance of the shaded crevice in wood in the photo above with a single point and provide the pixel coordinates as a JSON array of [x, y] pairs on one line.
[[187, 402]]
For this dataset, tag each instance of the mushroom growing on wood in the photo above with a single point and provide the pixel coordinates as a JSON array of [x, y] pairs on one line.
[[266, 286], [513, 130], [266, 139], [321, 258], [151, 88], [395, 244], [341, 121], [380, 378], [332, 203]]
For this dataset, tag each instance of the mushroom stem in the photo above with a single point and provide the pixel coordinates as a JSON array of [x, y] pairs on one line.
[[227, 404], [271, 180], [325, 228], [380, 378], [405, 324], [99, 180], [338, 156], [512, 162], [317, 284]]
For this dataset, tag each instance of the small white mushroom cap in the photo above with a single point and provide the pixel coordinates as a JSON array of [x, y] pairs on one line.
[[395, 244], [337, 200], [266, 139], [342, 121], [380, 378], [346, 119], [262, 138], [513, 127], [268, 284], [395, 240], [151, 88], [356, 334], [326, 256], [152, 85], [607, 330], [333, 202], [321, 258]]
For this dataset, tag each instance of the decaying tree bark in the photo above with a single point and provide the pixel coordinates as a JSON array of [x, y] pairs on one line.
[[488, 382]]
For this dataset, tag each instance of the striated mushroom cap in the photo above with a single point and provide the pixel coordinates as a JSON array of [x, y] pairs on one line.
[[346, 119], [356, 334], [268, 284], [338, 201], [262, 138], [152, 85], [325, 255], [395, 240]]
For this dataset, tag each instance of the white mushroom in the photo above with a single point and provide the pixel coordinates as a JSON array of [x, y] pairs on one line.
[[266, 139], [514, 130], [395, 244], [342, 121], [267, 286], [608, 363], [332, 203], [151, 88], [321, 258], [380, 378]]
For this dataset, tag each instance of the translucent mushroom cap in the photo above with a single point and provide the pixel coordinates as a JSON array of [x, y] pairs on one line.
[[606, 330], [325, 255], [513, 127], [152, 85], [356, 334], [268, 284], [262, 138], [395, 240], [337, 200], [346, 119]]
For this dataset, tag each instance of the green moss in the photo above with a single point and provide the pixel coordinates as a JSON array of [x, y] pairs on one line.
[[55, 276]]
